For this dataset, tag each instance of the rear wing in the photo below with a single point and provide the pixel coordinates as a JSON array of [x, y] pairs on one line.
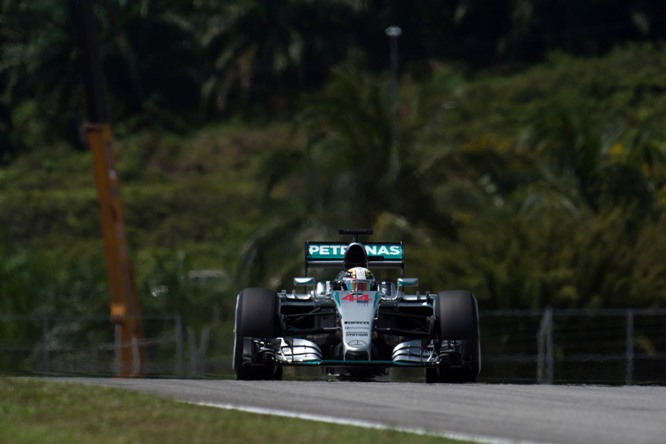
[[332, 255]]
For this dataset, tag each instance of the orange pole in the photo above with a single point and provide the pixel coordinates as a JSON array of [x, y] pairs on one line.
[[125, 307]]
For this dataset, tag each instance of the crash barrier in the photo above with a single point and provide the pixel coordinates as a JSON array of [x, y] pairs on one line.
[[622, 346]]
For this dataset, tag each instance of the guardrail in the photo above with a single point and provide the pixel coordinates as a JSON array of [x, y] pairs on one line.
[[623, 346]]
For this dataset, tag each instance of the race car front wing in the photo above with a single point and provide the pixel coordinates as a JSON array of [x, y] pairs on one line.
[[298, 351]]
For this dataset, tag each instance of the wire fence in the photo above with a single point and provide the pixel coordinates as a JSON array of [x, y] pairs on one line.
[[624, 346], [53, 345]]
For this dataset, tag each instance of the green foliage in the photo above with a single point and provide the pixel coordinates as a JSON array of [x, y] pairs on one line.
[[547, 257], [530, 184], [33, 283], [172, 286], [551, 218], [528, 197], [257, 58]]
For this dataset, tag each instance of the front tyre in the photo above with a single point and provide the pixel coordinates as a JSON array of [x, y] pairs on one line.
[[256, 317], [458, 320]]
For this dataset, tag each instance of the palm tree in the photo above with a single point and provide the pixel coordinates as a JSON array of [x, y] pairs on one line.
[[602, 160], [40, 87], [357, 167], [267, 52]]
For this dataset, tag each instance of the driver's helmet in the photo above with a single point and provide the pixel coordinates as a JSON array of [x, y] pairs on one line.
[[358, 279]]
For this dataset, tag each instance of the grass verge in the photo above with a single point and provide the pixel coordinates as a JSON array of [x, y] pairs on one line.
[[34, 411]]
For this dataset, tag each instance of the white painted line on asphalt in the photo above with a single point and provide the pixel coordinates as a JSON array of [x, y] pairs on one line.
[[365, 424]]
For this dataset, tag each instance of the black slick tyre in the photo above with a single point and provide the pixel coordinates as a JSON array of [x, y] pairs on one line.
[[458, 319], [256, 317]]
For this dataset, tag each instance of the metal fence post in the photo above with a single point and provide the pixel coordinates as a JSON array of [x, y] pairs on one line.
[[136, 357], [179, 345], [45, 345], [545, 356], [117, 331], [629, 377]]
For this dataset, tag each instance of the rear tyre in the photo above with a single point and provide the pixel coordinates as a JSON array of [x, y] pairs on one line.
[[458, 319], [256, 317]]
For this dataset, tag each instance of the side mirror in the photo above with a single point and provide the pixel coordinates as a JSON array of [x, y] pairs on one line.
[[388, 290], [408, 282], [303, 281]]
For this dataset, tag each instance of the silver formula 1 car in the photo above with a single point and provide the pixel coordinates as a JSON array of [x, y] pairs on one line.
[[355, 326]]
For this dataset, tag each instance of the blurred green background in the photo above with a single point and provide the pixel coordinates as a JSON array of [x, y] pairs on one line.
[[522, 155]]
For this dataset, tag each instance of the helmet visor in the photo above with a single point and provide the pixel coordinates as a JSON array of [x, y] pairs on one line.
[[357, 285]]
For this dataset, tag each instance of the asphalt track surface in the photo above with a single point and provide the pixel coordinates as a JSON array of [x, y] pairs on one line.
[[498, 413]]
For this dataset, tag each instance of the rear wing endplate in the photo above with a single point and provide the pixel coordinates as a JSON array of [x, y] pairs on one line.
[[332, 254]]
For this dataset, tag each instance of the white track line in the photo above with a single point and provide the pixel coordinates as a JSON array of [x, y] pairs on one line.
[[364, 424]]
